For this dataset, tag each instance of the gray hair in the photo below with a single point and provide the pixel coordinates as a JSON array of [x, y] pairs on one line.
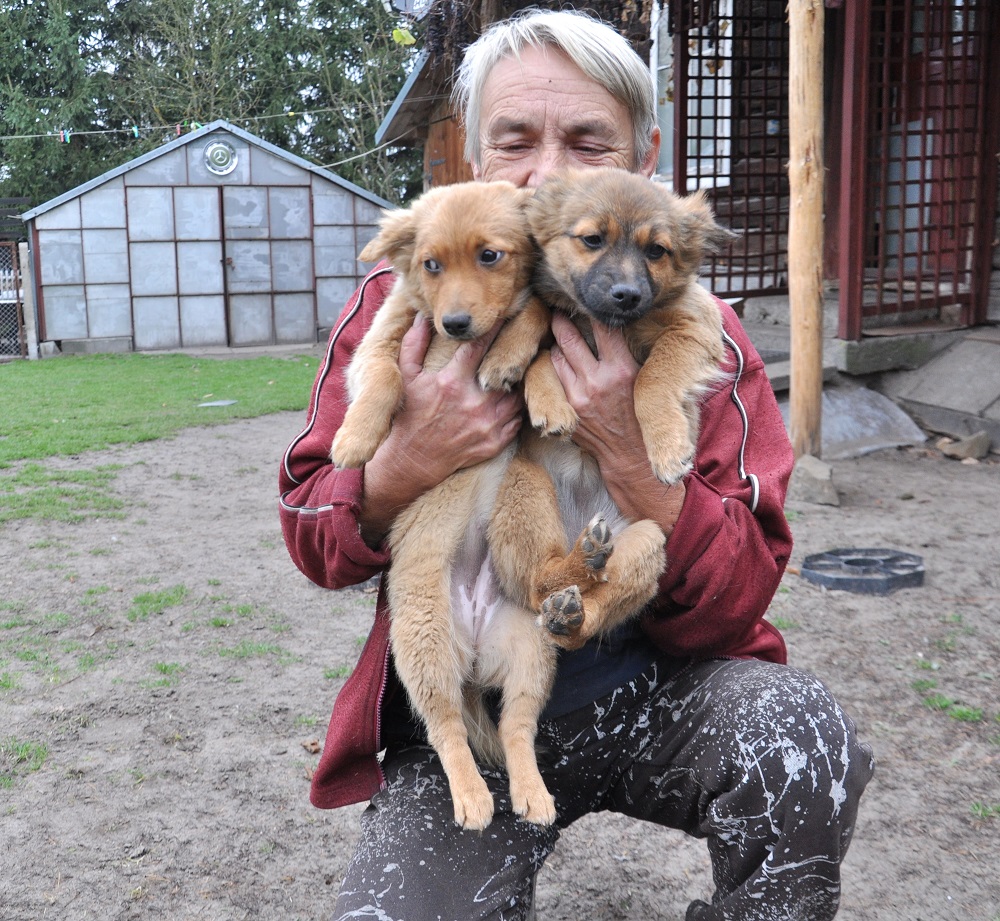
[[597, 49]]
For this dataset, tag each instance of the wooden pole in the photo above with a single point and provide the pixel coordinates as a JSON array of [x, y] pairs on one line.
[[805, 225]]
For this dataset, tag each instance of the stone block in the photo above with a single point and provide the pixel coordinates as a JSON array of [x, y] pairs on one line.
[[881, 353], [294, 318], [812, 481], [290, 213], [61, 257], [291, 265], [203, 320], [168, 169], [157, 324], [105, 205], [109, 309], [65, 311], [154, 270], [97, 346], [245, 213], [196, 213], [199, 267], [150, 213], [105, 256], [250, 319], [65, 217], [248, 266]]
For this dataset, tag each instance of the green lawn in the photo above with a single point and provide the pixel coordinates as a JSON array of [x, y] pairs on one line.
[[71, 404]]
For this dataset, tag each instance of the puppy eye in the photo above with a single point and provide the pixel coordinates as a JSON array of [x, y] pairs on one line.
[[654, 251], [489, 257], [592, 240], [432, 266]]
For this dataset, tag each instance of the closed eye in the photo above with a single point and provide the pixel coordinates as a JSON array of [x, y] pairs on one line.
[[592, 240]]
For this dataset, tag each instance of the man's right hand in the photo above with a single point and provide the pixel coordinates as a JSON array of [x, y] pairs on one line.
[[447, 422]]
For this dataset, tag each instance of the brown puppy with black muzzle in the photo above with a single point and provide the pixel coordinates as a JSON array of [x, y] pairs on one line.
[[463, 257], [623, 251]]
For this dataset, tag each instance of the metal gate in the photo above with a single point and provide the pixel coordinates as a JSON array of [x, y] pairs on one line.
[[731, 132], [919, 184], [12, 339]]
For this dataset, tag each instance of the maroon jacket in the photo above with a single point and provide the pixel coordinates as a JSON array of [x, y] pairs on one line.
[[725, 556]]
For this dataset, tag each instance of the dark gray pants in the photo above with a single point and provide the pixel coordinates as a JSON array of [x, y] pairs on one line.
[[757, 758]]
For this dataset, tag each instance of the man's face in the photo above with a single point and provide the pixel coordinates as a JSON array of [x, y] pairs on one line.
[[542, 113]]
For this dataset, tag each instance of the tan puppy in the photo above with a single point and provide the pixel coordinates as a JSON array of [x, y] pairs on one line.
[[463, 256], [624, 251]]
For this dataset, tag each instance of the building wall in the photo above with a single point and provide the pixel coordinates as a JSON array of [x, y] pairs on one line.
[[173, 255]]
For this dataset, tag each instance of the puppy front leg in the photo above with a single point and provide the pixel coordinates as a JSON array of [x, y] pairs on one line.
[[376, 388], [548, 407], [682, 362], [515, 346]]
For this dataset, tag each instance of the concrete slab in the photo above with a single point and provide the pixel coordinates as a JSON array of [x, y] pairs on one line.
[[965, 378], [857, 421]]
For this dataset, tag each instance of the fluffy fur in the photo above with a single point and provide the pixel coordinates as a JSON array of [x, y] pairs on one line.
[[463, 256], [624, 251]]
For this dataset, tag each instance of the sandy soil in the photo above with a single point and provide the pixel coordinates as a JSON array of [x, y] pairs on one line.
[[179, 672]]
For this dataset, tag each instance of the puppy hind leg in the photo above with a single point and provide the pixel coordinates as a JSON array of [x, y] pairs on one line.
[[425, 656], [633, 575], [523, 659], [432, 662], [527, 539]]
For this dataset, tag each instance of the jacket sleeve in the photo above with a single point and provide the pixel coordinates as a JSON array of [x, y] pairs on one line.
[[319, 504], [730, 545]]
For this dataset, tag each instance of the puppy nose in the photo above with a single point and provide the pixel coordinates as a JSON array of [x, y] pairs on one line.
[[457, 325], [625, 296]]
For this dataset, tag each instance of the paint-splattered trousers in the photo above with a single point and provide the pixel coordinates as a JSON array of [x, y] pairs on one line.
[[756, 758]]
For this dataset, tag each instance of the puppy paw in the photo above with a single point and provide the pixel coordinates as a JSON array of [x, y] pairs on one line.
[[532, 801], [495, 373], [553, 419], [671, 470], [562, 612], [473, 806], [352, 448], [595, 542]]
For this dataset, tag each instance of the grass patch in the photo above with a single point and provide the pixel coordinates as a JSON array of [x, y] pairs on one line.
[[168, 672], [18, 758], [155, 602], [59, 495], [71, 404], [985, 811], [251, 650]]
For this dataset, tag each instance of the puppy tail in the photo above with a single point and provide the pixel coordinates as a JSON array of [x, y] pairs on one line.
[[483, 737]]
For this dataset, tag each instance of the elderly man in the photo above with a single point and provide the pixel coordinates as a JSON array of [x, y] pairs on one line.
[[689, 717]]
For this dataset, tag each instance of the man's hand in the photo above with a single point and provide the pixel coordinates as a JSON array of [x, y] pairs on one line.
[[447, 422], [601, 390]]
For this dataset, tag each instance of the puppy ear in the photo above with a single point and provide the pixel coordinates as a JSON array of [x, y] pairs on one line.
[[701, 225], [396, 238]]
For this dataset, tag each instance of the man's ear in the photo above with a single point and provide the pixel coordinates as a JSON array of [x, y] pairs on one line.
[[650, 161]]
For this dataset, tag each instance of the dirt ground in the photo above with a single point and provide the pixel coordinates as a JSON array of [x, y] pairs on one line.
[[173, 673]]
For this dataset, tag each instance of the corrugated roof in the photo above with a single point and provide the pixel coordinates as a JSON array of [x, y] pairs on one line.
[[217, 126]]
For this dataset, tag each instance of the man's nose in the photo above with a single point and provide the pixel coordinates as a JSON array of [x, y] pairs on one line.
[[547, 160]]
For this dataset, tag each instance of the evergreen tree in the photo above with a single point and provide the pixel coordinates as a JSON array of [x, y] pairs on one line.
[[265, 65]]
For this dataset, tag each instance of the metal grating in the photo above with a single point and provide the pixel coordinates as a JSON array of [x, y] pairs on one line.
[[923, 111], [12, 341], [731, 137]]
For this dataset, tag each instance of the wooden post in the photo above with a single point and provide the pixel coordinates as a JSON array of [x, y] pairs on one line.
[[805, 225]]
